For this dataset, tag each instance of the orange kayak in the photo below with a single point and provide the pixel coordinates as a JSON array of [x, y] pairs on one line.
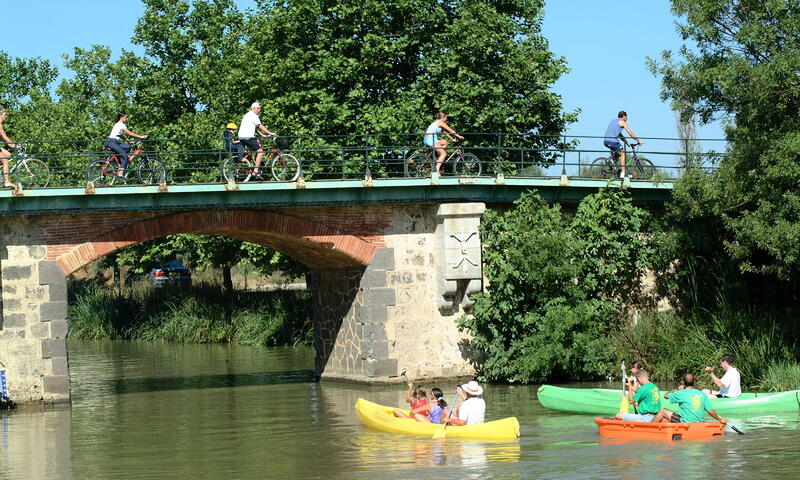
[[658, 431]]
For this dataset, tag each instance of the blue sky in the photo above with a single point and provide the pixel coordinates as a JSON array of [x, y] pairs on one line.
[[605, 45]]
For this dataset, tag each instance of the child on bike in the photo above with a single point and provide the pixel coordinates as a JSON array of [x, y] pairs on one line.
[[232, 144], [5, 155], [432, 138]]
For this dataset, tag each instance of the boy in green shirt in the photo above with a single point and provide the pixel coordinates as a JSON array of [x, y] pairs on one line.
[[646, 398], [692, 404]]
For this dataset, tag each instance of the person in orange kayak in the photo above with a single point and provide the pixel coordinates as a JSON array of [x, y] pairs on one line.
[[646, 399], [418, 398], [692, 405]]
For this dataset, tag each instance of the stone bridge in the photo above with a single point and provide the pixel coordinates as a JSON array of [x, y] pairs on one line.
[[388, 282]]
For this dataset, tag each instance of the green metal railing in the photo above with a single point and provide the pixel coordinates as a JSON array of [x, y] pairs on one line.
[[376, 156]]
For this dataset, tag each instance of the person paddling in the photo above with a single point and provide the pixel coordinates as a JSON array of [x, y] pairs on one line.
[[647, 399], [691, 404], [473, 408], [730, 384]]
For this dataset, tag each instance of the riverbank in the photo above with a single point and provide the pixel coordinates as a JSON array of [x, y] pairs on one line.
[[202, 313]]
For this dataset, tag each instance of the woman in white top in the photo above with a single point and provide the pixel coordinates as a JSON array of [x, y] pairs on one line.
[[115, 144], [432, 138]]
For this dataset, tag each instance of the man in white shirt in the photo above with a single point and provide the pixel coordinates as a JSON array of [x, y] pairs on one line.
[[472, 409], [247, 133], [731, 382]]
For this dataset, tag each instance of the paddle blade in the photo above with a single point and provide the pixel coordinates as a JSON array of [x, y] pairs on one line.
[[441, 432], [623, 405]]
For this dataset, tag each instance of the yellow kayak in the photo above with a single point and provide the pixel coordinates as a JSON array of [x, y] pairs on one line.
[[379, 417]]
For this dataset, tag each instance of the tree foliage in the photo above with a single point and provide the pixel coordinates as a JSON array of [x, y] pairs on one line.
[[558, 284], [736, 232]]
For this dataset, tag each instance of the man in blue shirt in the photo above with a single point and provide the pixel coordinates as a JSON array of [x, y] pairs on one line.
[[612, 137]]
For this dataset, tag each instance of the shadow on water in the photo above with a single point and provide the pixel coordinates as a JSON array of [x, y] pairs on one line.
[[197, 382]]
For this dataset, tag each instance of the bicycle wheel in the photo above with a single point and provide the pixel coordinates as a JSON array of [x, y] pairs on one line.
[[419, 165], [238, 171], [100, 171], [33, 173], [467, 166], [285, 167], [600, 169], [644, 169], [151, 170]]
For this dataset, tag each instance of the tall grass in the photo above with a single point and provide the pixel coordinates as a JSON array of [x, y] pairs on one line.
[[200, 314], [763, 347]]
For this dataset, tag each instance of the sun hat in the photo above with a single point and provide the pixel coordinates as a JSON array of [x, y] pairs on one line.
[[472, 388], [255, 104], [230, 125]]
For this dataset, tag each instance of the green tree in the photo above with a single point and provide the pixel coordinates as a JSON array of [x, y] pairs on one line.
[[739, 227], [557, 286]]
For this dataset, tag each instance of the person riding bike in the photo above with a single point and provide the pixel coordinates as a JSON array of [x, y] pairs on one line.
[[247, 134], [232, 145], [115, 144], [5, 155], [432, 138], [614, 135]]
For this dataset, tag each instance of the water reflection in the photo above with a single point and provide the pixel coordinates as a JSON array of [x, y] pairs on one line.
[[36, 443]]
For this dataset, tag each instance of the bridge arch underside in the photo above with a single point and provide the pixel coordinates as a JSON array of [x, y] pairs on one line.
[[313, 243]]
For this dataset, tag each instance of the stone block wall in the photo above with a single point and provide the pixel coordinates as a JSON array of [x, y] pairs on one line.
[[33, 344], [374, 323]]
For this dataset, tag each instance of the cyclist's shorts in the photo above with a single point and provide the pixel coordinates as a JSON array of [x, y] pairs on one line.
[[431, 139], [251, 143], [613, 145]]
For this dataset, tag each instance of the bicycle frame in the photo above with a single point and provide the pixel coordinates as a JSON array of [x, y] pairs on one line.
[[131, 157]]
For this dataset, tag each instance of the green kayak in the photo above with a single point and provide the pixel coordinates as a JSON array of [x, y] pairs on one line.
[[602, 401]]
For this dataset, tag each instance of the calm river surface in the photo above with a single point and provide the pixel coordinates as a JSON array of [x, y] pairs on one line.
[[160, 411]]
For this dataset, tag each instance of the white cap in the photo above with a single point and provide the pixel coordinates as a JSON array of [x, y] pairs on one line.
[[255, 104]]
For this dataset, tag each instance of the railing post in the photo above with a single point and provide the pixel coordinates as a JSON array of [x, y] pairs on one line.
[[367, 173]]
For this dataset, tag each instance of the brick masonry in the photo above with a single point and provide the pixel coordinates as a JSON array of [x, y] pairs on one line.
[[375, 285]]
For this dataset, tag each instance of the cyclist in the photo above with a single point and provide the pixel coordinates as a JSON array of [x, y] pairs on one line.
[[5, 155], [115, 144], [232, 145], [247, 134], [614, 135], [432, 138]]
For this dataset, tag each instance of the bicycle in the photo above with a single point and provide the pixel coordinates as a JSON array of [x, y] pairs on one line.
[[150, 169], [284, 166], [30, 172], [637, 167], [464, 164]]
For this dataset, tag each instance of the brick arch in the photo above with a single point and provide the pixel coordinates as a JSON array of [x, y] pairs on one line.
[[313, 243]]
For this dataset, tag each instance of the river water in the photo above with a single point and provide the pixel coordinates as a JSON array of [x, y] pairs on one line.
[[161, 411]]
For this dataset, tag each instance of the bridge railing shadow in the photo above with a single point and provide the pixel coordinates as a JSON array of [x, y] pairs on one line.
[[384, 156]]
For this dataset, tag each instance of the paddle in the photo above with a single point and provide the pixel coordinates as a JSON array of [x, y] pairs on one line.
[[623, 404], [736, 429], [441, 432]]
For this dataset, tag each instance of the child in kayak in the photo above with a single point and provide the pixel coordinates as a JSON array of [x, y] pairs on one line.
[[434, 411], [418, 398]]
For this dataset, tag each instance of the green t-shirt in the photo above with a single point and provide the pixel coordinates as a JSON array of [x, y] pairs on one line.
[[692, 404], [648, 398]]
